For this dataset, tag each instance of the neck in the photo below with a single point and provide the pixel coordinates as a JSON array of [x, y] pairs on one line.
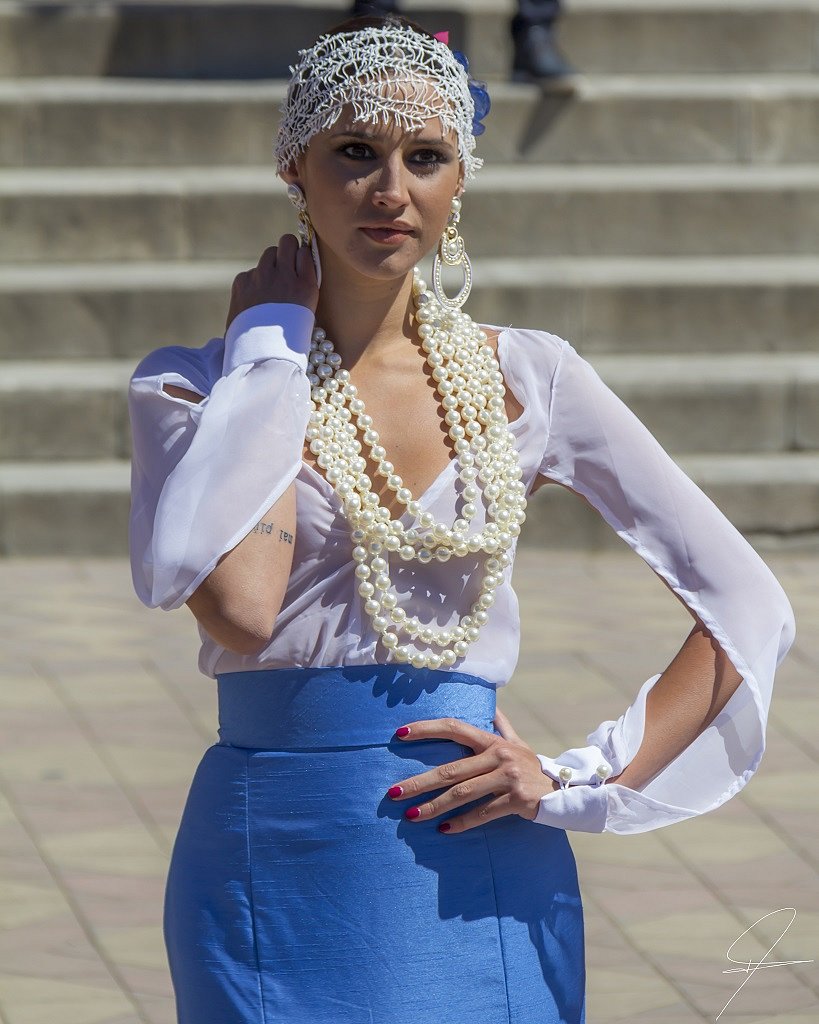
[[365, 318]]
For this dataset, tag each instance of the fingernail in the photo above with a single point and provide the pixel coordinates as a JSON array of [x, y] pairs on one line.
[[403, 731], [444, 826], [412, 812], [394, 791]]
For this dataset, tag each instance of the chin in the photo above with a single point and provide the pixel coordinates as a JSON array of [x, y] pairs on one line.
[[394, 265], [385, 266]]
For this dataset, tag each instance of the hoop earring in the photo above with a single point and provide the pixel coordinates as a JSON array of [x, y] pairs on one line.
[[452, 253], [306, 231]]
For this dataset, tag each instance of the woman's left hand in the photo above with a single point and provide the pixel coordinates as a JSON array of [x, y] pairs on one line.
[[503, 766]]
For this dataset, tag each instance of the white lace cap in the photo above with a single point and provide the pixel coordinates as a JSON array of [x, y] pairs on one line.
[[422, 78]]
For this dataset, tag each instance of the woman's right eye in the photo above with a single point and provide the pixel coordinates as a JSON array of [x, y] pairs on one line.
[[354, 145]]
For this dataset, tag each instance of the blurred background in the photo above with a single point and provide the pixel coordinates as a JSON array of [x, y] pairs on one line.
[[659, 208]]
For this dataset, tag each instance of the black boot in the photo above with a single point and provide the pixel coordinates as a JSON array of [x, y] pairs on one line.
[[537, 55], [361, 7]]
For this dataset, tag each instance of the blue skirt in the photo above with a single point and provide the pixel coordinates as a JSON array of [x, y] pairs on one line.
[[299, 894]]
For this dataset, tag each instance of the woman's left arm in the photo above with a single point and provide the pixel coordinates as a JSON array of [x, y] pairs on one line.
[[694, 734], [687, 698]]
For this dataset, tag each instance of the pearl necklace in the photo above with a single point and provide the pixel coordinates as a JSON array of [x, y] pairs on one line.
[[472, 391]]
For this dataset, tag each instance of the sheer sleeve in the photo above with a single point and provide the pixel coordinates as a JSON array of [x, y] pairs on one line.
[[597, 447], [202, 475]]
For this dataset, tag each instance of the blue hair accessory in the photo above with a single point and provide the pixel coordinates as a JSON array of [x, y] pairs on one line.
[[480, 96]]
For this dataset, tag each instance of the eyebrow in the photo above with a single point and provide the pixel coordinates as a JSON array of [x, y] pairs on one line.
[[371, 136]]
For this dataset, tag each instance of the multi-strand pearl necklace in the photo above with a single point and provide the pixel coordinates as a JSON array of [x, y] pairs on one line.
[[472, 391]]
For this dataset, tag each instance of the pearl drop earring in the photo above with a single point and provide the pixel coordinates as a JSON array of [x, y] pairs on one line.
[[452, 252], [307, 233]]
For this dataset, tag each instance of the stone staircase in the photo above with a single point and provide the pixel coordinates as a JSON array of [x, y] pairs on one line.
[[662, 215]]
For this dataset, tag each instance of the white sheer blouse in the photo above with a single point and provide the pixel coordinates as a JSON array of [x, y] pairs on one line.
[[204, 474]]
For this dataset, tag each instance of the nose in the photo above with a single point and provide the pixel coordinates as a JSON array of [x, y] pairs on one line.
[[391, 187]]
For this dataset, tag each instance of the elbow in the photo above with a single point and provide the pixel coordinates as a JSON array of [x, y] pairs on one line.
[[248, 644], [238, 629], [788, 628], [782, 621], [248, 628], [248, 640], [245, 633]]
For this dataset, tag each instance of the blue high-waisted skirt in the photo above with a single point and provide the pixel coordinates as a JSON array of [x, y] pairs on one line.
[[298, 893]]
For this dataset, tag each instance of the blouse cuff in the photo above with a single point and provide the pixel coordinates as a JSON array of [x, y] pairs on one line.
[[576, 808], [585, 766], [583, 797], [278, 330]]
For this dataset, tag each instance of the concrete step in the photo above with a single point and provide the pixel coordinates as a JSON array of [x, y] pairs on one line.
[[201, 39], [64, 410], [667, 305], [721, 404], [772, 499], [64, 508], [604, 119], [711, 404], [81, 508], [234, 212]]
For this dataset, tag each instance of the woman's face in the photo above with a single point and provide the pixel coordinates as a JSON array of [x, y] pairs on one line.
[[359, 178]]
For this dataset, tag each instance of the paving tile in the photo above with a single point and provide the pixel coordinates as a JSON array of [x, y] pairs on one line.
[[773, 894], [24, 903], [24, 691], [71, 760], [124, 851], [645, 849], [762, 998], [800, 715], [678, 1013], [135, 945], [614, 994], [144, 765], [783, 1016], [35, 1000], [57, 952], [159, 1009], [116, 901], [715, 840], [124, 687]]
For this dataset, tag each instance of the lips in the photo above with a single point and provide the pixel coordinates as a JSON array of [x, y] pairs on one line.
[[388, 234]]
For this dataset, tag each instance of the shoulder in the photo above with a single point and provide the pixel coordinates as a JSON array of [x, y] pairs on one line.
[[532, 355], [529, 340], [181, 364]]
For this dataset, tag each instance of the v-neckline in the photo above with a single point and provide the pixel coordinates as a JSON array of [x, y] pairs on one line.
[[330, 491]]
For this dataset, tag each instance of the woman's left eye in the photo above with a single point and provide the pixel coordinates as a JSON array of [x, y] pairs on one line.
[[437, 158]]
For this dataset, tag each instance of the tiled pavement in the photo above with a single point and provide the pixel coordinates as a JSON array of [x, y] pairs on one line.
[[104, 717]]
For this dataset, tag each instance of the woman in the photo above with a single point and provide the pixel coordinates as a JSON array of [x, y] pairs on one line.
[[370, 840]]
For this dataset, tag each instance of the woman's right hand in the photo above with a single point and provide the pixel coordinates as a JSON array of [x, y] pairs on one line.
[[284, 273]]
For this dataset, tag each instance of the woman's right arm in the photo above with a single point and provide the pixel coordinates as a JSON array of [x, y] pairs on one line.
[[238, 602], [215, 455]]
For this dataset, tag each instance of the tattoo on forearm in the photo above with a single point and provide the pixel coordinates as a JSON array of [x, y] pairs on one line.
[[270, 528]]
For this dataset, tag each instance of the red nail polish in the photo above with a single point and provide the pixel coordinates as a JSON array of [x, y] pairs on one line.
[[394, 791], [403, 731], [412, 812], [444, 826]]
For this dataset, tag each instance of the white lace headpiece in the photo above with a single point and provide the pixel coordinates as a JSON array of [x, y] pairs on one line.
[[423, 77]]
